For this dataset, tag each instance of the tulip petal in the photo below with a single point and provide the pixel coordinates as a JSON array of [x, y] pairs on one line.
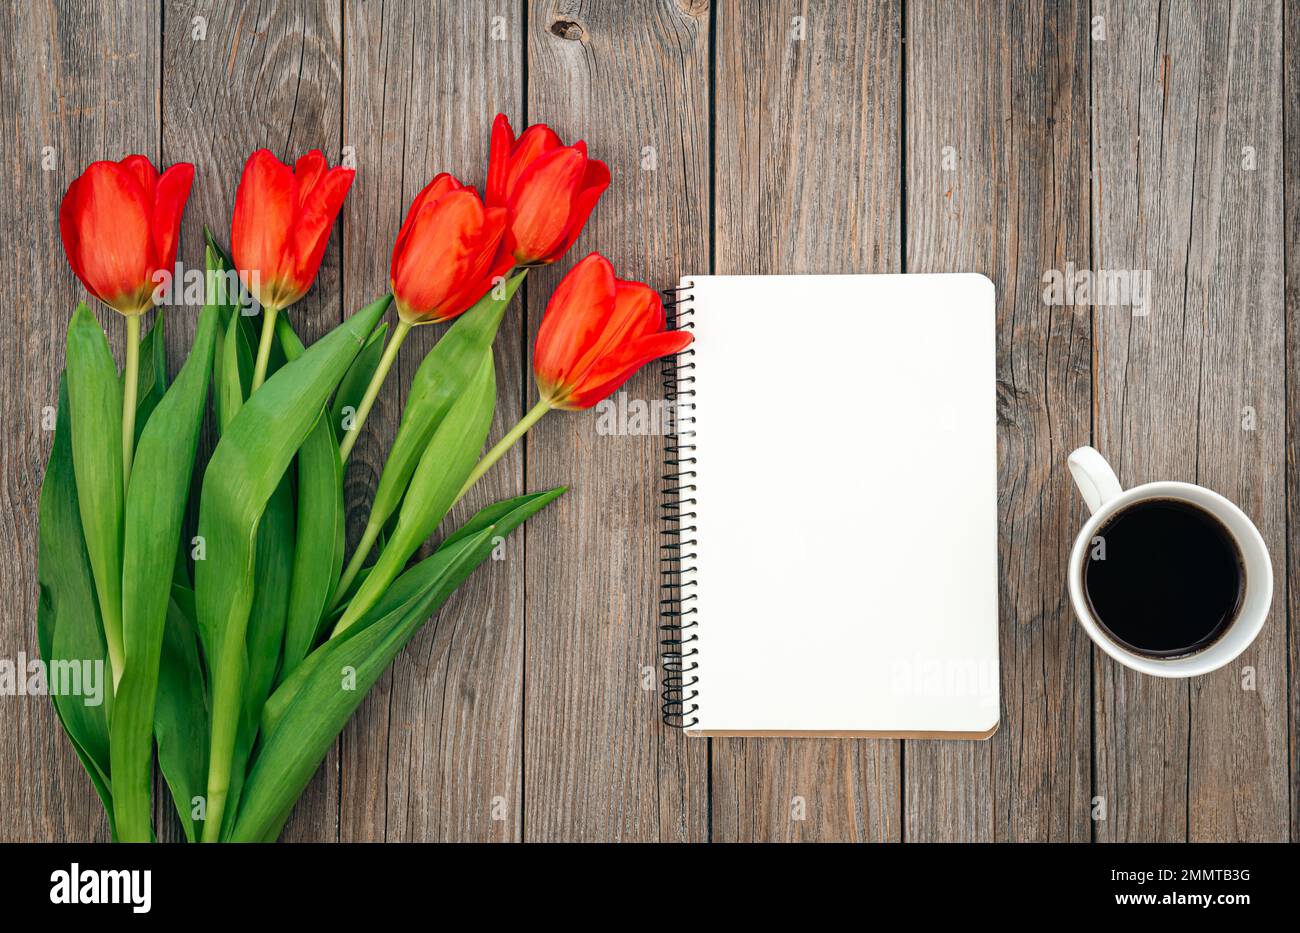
[[312, 232], [597, 175], [143, 172], [488, 264], [637, 311], [443, 183], [503, 141], [262, 223], [104, 219], [440, 246], [541, 203], [611, 372], [594, 183], [533, 143], [173, 191], [307, 173], [575, 318], [68, 232]]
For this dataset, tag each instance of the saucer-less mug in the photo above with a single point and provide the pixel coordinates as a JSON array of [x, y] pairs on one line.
[[1105, 498]]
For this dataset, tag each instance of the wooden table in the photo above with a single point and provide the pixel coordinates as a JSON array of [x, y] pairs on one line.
[[745, 137]]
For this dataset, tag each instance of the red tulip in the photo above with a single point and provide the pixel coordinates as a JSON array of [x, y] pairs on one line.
[[597, 331], [282, 222], [120, 222], [548, 187], [446, 257]]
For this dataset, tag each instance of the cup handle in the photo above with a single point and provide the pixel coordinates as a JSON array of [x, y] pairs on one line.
[[1097, 482]]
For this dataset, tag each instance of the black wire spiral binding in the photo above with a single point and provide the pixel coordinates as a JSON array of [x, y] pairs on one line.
[[677, 615]]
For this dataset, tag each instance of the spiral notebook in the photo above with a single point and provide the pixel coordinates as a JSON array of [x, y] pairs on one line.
[[831, 566]]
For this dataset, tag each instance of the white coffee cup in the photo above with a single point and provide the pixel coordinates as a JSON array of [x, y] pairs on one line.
[[1104, 497]]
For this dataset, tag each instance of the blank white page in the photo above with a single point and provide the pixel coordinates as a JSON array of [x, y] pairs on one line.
[[846, 505]]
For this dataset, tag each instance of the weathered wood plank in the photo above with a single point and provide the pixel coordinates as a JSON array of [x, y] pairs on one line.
[[434, 753], [529, 705], [997, 131], [236, 78], [632, 79], [807, 180], [1238, 774], [1291, 246], [1177, 96], [77, 84]]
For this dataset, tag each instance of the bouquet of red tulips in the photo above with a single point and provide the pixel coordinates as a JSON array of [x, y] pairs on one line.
[[238, 635]]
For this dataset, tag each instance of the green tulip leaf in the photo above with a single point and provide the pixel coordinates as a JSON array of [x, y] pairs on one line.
[[236, 372], [306, 714], [153, 373], [95, 401], [440, 380], [318, 558], [318, 555], [504, 516], [442, 470], [354, 384], [245, 470], [266, 624], [155, 510], [67, 614], [181, 713]]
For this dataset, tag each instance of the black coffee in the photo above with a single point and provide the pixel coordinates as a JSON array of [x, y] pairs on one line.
[[1165, 579]]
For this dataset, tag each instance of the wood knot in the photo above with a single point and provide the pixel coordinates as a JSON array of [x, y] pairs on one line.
[[567, 29], [1008, 403]]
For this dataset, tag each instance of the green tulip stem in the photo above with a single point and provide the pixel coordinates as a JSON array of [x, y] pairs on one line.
[[264, 347], [500, 447], [368, 538], [130, 389], [371, 534], [372, 390], [222, 748]]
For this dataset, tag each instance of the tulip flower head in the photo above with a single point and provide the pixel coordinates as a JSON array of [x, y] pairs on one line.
[[549, 189], [597, 331], [120, 222], [446, 255], [282, 222]]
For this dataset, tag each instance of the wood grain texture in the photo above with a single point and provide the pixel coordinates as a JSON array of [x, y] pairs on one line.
[[78, 83], [1291, 250], [1177, 95], [632, 79], [435, 752], [997, 183], [522, 711], [236, 78], [807, 180]]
